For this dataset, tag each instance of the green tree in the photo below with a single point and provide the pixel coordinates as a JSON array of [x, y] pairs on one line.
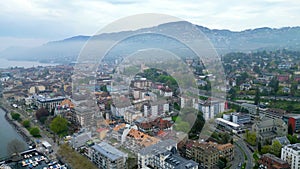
[[59, 126], [176, 106], [15, 116], [26, 123], [266, 149], [250, 137], [276, 148], [35, 132], [293, 139]]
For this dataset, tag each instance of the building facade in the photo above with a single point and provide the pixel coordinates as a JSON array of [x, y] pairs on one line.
[[291, 154], [270, 161], [106, 156]]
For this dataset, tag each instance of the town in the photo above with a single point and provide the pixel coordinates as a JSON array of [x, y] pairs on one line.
[[113, 120]]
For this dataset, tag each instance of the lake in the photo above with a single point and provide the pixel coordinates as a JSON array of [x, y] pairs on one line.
[[4, 63], [7, 134]]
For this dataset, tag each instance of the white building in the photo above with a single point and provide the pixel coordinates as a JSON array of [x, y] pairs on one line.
[[210, 108], [291, 154], [119, 109]]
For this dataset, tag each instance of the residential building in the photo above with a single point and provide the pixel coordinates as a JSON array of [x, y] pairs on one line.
[[211, 108], [85, 117], [106, 156], [291, 154], [132, 114], [140, 139], [225, 150], [118, 108], [172, 160], [207, 155], [79, 139], [270, 161], [268, 129], [146, 155]]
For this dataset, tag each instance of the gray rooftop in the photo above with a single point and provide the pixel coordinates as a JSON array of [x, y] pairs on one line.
[[158, 148], [109, 151], [282, 140], [180, 162], [273, 157], [295, 147]]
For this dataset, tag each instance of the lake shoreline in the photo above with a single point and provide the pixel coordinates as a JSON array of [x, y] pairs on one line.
[[17, 128]]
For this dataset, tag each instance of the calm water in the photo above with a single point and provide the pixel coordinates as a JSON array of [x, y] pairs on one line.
[[7, 134], [4, 63]]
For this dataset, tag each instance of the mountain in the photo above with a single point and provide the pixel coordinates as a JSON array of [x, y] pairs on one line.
[[67, 50]]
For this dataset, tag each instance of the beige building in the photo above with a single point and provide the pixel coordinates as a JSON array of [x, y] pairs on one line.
[[207, 155], [225, 150], [131, 114]]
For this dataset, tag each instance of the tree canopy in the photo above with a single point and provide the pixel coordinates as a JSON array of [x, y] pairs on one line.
[[59, 125]]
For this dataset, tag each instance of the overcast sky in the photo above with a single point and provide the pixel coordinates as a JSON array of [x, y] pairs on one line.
[[30, 23]]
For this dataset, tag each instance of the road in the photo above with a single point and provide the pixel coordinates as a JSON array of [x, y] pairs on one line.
[[248, 153], [238, 158], [44, 134]]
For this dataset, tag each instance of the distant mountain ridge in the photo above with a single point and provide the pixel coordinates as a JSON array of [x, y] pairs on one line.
[[67, 50]]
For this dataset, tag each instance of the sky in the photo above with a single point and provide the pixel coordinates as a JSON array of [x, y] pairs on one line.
[[34, 22]]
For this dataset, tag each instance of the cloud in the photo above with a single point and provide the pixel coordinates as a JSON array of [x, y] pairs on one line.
[[58, 19]]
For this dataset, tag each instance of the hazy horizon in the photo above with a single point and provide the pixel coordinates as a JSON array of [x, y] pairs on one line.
[[28, 23]]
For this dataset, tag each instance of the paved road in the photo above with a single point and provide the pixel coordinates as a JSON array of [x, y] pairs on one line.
[[248, 153], [238, 158]]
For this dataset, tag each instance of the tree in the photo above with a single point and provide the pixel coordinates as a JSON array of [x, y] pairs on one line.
[[290, 129], [42, 114], [15, 116], [26, 123], [266, 149], [59, 126], [293, 139], [35, 132], [176, 106], [250, 137], [276, 148], [15, 146]]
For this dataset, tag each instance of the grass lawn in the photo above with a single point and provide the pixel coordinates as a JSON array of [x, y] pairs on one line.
[[76, 160]]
